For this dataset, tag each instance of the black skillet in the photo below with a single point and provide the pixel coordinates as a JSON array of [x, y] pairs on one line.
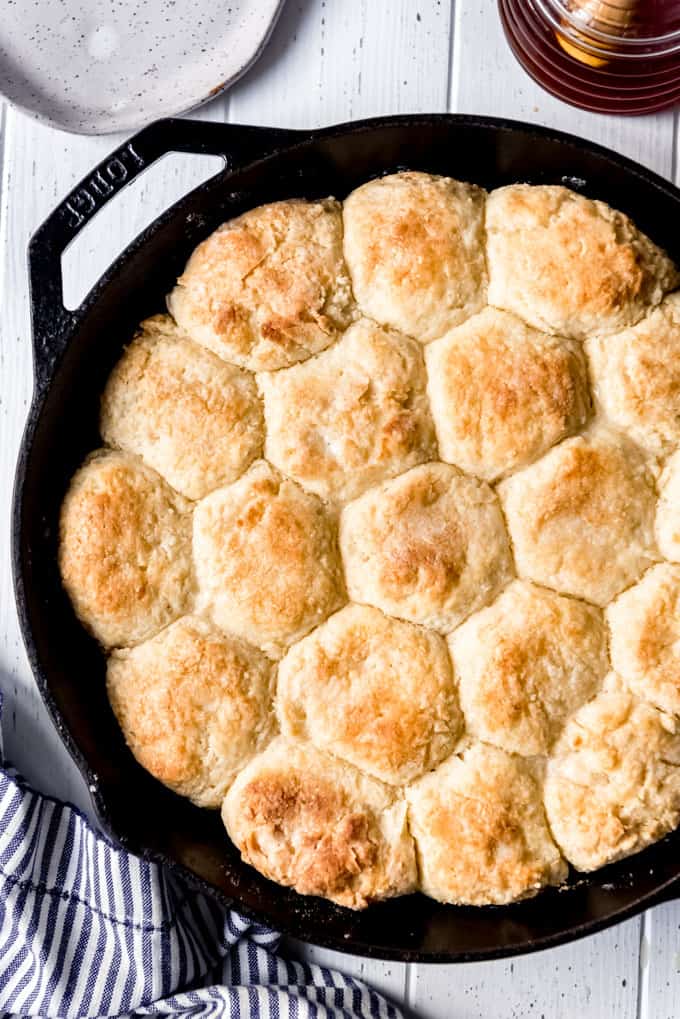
[[74, 352]]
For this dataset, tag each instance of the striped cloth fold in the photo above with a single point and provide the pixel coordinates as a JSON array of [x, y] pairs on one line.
[[88, 930]]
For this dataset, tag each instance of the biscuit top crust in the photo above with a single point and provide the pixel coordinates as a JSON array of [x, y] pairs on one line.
[[351, 417], [374, 691], [429, 546], [309, 821], [125, 549], [503, 393], [270, 288], [194, 706], [667, 524], [480, 831], [581, 519], [645, 637], [414, 244], [266, 559], [613, 784], [525, 664], [636, 377], [184, 411], [569, 265]]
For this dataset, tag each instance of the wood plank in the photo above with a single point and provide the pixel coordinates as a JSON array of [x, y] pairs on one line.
[[332, 62], [660, 963], [591, 979]]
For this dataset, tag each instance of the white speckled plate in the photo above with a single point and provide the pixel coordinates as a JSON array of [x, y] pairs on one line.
[[96, 66]]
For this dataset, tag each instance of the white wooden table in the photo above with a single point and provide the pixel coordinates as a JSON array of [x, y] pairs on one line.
[[327, 62]]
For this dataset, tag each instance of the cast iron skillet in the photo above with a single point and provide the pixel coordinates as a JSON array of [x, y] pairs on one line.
[[74, 352]]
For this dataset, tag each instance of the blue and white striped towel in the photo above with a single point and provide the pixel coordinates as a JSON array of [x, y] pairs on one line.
[[88, 930]]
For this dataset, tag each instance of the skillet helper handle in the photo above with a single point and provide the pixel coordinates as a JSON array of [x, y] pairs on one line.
[[53, 323]]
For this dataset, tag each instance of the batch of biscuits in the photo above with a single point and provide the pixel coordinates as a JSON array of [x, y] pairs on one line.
[[383, 540]]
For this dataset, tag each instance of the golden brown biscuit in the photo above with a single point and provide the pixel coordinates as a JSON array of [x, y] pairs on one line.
[[352, 416], [667, 524], [581, 519], [269, 288], [374, 691], [636, 377], [190, 416], [502, 393], [613, 784], [124, 549], [525, 664], [570, 265], [309, 821], [645, 637], [480, 832], [414, 245], [429, 546], [194, 706], [266, 559]]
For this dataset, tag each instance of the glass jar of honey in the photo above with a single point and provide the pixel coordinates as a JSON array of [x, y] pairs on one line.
[[608, 56]]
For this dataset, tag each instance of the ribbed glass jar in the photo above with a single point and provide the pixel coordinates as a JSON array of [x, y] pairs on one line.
[[608, 56]]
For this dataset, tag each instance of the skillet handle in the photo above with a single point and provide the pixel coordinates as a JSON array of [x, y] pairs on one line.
[[53, 323]]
